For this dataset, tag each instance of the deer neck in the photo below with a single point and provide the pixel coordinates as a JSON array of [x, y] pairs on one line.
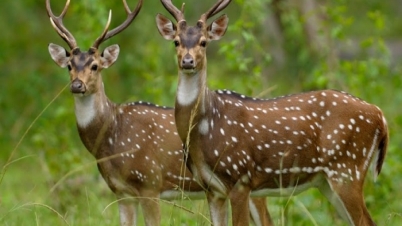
[[94, 114], [191, 99]]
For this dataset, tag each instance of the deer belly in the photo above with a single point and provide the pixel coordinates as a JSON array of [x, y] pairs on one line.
[[178, 194], [288, 187]]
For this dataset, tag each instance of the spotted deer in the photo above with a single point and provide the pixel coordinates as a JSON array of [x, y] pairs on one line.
[[238, 145], [138, 150]]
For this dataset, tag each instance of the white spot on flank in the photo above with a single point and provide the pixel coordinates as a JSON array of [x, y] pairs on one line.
[[357, 173], [268, 170], [295, 169], [235, 167], [203, 126]]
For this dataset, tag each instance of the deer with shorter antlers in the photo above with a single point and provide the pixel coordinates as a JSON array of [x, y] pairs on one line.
[[138, 150], [238, 145]]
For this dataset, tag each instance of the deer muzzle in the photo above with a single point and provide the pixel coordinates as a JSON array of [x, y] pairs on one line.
[[188, 62], [77, 86]]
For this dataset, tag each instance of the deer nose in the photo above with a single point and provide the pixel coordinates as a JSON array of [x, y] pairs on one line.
[[77, 86], [188, 62]]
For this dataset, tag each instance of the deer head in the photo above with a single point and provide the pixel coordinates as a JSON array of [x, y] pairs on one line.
[[191, 41], [85, 67]]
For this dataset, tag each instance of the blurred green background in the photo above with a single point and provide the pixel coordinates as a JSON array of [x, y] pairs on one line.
[[272, 48]]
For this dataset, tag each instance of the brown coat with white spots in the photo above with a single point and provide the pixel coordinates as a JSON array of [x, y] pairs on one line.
[[137, 147]]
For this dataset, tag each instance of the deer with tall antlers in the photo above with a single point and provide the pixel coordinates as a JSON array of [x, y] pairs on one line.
[[238, 145], [138, 150]]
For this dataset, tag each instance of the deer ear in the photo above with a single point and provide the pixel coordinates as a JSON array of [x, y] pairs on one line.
[[165, 27], [59, 55], [218, 28], [109, 55]]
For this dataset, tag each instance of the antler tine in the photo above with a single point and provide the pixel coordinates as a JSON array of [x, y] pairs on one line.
[[173, 10], [222, 6], [101, 38], [57, 23], [219, 6], [130, 17]]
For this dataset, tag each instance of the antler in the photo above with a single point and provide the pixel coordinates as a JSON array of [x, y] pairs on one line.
[[57, 23], [219, 6], [175, 12], [130, 17]]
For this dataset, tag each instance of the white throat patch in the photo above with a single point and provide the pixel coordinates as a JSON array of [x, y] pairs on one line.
[[188, 89], [85, 109]]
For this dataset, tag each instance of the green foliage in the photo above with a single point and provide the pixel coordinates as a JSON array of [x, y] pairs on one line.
[[53, 179], [244, 53]]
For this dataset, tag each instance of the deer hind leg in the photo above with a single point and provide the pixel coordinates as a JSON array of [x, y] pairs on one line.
[[259, 212], [347, 198], [218, 209], [128, 211]]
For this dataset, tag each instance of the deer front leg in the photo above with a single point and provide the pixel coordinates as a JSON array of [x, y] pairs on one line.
[[149, 201], [218, 209], [128, 211], [239, 201], [259, 212]]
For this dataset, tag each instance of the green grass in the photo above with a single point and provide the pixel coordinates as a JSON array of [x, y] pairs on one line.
[[28, 197]]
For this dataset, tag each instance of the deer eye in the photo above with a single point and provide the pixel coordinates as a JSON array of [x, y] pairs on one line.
[[176, 43], [203, 43], [69, 67], [94, 67]]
